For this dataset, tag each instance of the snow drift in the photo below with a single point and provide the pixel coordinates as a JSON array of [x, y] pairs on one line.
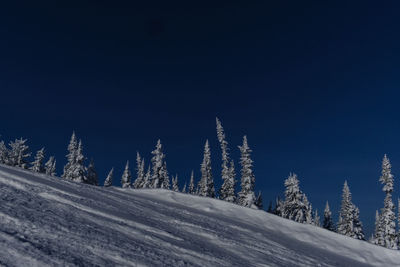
[[47, 221]]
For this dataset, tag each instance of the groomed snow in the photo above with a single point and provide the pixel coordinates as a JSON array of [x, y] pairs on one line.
[[46, 221]]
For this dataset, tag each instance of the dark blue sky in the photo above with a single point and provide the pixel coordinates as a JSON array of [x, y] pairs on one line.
[[313, 85]]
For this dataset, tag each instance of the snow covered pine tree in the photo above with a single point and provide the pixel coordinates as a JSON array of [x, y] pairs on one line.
[[206, 184], [37, 164], [109, 179], [246, 196], [227, 190], [160, 178], [349, 222], [328, 222], [50, 166], [19, 153], [387, 236], [139, 181], [126, 177], [296, 206]]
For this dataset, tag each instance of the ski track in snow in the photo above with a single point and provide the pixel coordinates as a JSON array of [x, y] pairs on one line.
[[47, 221]]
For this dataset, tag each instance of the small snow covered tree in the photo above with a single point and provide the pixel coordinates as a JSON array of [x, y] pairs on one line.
[[92, 177], [191, 184], [246, 196], [227, 190], [139, 172], [349, 222], [50, 166], [37, 164], [3, 153], [259, 201], [387, 216], [109, 179], [126, 177], [175, 186], [19, 153], [160, 176], [296, 206], [206, 184], [328, 222], [71, 158]]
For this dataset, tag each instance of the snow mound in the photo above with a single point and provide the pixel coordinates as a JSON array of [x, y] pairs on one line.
[[46, 221]]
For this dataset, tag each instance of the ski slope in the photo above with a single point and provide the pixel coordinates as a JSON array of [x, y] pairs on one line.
[[47, 221]]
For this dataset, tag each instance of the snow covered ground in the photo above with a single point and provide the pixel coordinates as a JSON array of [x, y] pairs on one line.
[[46, 221]]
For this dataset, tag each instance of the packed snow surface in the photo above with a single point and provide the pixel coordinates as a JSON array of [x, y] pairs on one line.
[[47, 221]]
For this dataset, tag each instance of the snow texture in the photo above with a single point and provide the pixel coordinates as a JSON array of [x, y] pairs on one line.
[[47, 221]]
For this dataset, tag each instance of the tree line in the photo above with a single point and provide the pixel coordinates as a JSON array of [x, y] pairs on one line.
[[295, 206]]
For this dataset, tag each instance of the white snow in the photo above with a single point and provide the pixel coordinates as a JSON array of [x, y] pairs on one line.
[[47, 221]]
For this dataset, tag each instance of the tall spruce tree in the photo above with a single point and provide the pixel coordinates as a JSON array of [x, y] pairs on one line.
[[139, 181], [296, 206], [160, 176], [227, 190], [349, 222], [109, 180], [206, 184], [246, 196], [71, 157], [19, 153], [37, 164], [387, 216], [78, 169], [50, 166], [328, 222], [126, 177], [191, 189], [92, 177]]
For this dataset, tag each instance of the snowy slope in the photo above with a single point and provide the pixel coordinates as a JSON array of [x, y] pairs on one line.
[[47, 221]]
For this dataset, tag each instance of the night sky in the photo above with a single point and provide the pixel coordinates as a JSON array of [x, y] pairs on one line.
[[314, 86]]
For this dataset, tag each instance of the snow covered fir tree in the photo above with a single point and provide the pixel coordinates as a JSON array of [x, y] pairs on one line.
[[206, 184], [349, 223], [246, 197], [296, 206], [227, 191], [385, 226]]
